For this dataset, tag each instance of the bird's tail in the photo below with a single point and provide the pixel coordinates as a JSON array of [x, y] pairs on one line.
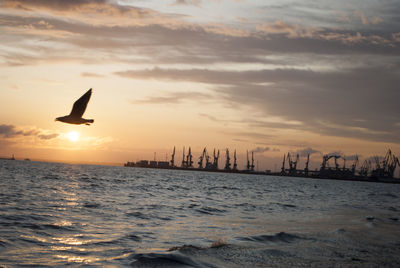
[[90, 120]]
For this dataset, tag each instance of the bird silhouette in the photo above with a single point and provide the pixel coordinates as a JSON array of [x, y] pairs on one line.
[[75, 117]]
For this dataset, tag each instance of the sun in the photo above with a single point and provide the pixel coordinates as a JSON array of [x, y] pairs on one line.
[[73, 136]]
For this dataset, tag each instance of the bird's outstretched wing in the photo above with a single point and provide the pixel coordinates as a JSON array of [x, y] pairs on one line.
[[80, 105]]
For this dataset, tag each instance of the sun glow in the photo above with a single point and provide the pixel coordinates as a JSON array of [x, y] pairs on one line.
[[73, 136]]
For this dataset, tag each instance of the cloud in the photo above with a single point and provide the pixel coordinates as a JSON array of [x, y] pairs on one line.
[[365, 21], [323, 76], [396, 37], [376, 20], [247, 134], [307, 151], [295, 95], [290, 30], [104, 7], [166, 40], [341, 16], [261, 149], [362, 16], [34, 137], [11, 131], [187, 2], [48, 136], [174, 98], [8, 131], [92, 75]]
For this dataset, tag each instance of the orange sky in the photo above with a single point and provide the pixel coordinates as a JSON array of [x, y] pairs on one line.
[[245, 75]]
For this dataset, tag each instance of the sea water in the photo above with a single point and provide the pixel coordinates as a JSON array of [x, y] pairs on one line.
[[54, 214]]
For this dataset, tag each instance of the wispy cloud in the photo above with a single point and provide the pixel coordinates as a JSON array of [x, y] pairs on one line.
[[307, 151], [11, 131], [261, 149], [80, 7], [187, 2], [174, 98], [92, 75]]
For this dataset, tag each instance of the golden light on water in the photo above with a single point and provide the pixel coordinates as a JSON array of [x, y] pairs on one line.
[[73, 136]]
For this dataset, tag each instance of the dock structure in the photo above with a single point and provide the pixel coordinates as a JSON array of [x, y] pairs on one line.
[[378, 169]]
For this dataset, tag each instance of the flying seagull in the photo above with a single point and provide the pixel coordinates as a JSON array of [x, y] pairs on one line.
[[75, 117]]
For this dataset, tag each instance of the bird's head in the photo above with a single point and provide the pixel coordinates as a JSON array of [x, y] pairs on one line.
[[61, 119]]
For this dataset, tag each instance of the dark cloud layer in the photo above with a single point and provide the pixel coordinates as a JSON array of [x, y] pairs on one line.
[[191, 44], [349, 102]]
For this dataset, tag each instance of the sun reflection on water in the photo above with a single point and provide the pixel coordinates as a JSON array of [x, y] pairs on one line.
[[72, 240], [76, 259]]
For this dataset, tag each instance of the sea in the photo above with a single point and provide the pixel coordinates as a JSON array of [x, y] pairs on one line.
[[55, 214]]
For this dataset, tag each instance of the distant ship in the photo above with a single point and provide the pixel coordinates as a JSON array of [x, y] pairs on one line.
[[6, 158]]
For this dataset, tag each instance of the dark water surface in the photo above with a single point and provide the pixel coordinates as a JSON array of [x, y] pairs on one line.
[[59, 214]]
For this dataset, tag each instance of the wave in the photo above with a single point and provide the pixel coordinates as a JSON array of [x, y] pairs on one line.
[[51, 177], [223, 188], [216, 244], [3, 244], [138, 214], [91, 205], [390, 195], [168, 260], [286, 205], [210, 210], [279, 237]]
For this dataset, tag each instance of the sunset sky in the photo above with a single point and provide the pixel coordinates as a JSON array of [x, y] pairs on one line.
[[268, 76]]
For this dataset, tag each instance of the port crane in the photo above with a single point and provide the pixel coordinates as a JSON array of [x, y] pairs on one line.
[[234, 161], [292, 164], [283, 171], [326, 158], [306, 167], [228, 160], [189, 158], [365, 168], [188, 162], [173, 158], [250, 167], [252, 161], [215, 159], [184, 163], [203, 156], [214, 164], [386, 167], [353, 166], [248, 162]]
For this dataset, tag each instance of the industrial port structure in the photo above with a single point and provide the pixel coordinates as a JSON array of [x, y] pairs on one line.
[[373, 169]]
